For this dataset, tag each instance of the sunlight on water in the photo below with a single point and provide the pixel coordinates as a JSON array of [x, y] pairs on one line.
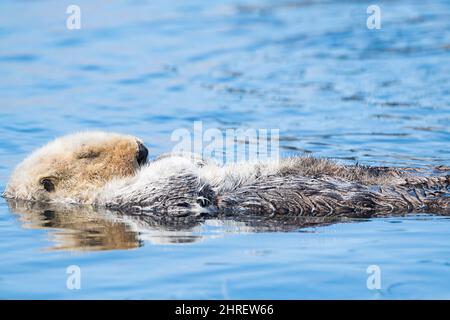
[[310, 68]]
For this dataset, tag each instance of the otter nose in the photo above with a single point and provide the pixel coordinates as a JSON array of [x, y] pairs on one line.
[[142, 153]]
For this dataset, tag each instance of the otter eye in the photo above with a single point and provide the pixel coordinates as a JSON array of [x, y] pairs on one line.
[[48, 184]]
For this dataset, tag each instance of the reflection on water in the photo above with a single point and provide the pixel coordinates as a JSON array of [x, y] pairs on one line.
[[87, 228], [76, 228], [310, 68]]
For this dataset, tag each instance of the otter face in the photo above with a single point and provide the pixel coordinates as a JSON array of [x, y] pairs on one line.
[[73, 168]]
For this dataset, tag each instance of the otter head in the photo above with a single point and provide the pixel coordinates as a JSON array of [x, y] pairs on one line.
[[72, 168]]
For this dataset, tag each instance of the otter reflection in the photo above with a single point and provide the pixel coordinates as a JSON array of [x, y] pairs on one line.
[[88, 228]]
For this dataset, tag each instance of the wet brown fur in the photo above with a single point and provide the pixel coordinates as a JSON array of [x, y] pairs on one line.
[[319, 187]]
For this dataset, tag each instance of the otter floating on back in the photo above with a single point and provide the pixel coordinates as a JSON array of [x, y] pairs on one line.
[[111, 170]]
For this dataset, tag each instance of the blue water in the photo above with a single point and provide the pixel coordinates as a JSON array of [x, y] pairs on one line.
[[313, 69]]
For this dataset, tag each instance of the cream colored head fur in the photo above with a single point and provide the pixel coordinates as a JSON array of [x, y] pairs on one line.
[[72, 168]]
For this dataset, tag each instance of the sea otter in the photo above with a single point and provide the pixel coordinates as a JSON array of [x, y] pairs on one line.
[[111, 170]]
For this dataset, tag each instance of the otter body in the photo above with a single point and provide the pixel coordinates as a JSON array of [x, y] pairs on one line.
[[108, 170], [294, 186]]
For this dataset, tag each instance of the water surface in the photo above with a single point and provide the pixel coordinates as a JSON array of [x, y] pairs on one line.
[[310, 68]]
